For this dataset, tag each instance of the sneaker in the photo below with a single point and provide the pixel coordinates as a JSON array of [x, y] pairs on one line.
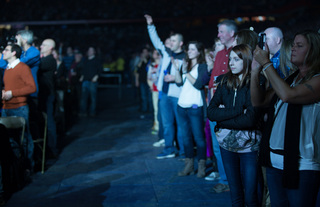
[[220, 188], [159, 143], [213, 176], [164, 155]]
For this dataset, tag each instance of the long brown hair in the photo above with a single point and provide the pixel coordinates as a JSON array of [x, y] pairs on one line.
[[244, 52], [200, 58], [312, 59]]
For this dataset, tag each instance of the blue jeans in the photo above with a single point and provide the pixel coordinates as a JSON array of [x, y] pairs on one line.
[[191, 125], [23, 111], [52, 131], [89, 90], [217, 154], [160, 132], [146, 100], [305, 195], [169, 114], [242, 174]]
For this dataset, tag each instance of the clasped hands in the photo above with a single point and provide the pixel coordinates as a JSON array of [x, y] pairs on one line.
[[6, 95]]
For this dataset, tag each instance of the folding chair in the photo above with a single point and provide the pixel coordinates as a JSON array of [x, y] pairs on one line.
[[42, 140]]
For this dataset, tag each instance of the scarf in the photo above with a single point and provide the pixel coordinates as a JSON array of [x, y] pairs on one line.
[[291, 141]]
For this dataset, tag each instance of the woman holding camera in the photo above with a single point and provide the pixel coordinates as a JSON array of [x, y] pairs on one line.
[[290, 147]]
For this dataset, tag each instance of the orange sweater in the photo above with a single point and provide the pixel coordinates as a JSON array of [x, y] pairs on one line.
[[20, 81]]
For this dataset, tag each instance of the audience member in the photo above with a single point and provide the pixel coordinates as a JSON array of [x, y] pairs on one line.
[[289, 146], [30, 56], [246, 36], [18, 84], [153, 75], [274, 39], [92, 67], [48, 66], [169, 90], [192, 108], [237, 127], [141, 81], [226, 33]]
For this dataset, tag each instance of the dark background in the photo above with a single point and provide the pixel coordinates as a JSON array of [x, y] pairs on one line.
[[118, 28]]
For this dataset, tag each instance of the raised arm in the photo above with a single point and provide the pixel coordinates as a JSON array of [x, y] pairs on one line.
[[306, 93]]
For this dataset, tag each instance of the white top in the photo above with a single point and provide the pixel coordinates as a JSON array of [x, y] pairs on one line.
[[189, 94], [309, 136]]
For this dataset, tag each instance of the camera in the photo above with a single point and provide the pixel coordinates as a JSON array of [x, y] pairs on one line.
[[262, 40]]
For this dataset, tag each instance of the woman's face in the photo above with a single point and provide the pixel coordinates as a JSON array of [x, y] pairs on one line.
[[235, 63], [193, 51], [299, 50]]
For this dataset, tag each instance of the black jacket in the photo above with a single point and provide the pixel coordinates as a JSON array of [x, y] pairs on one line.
[[236, 102]]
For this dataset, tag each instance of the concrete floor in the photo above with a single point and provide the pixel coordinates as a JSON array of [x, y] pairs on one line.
[[109, 160]]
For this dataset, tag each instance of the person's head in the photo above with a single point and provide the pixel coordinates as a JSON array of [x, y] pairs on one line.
[[155, 55], [274, 38], [145, 53], [195, 54], [306, 52], [167, 42], [176, 42], [91, 52], [218, 46], [240, 60], [47, 47], [12, 52], [69, 51], [226, 32], [246, 36], [24, 37], [77, 56], [285, 58]]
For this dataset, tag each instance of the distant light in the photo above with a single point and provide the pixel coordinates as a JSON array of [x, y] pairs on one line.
[[251, 28], [260, 18]]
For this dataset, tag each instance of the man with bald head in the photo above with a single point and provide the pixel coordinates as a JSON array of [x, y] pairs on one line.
[[274, 39], [48, 66]]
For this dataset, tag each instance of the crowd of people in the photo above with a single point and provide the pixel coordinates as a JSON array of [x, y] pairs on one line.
[[233, 102], [42, 79], [260, 104]]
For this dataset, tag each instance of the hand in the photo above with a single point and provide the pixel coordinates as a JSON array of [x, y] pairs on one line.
[[261, 56], [255, 66], [7, 95], [81, 78], [174, 63], [184, 66], [169, 78], [148, 19]]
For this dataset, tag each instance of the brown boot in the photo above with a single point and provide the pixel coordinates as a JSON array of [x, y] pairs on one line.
[[188, 167], [201, 169]]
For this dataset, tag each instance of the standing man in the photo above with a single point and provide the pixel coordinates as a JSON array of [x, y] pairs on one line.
[[90, 72], [48, 66], [30, 56], [274, 40], [170, 91], [226, 31], [18, 84]]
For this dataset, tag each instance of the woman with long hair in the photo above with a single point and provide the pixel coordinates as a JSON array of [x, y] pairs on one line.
[[290, 143], [237, 129], [193, 76]]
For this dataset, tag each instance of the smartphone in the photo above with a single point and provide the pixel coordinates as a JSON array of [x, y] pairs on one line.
[[262, 40]]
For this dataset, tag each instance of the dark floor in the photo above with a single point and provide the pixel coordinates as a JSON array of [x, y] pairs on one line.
[[109, 160]]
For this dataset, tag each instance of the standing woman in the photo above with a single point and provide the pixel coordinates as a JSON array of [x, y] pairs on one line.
[[237, 127], [192, 106], [290, 147]]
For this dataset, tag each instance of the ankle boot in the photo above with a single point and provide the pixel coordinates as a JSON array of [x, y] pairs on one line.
[[188, 167], [201, 169]]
